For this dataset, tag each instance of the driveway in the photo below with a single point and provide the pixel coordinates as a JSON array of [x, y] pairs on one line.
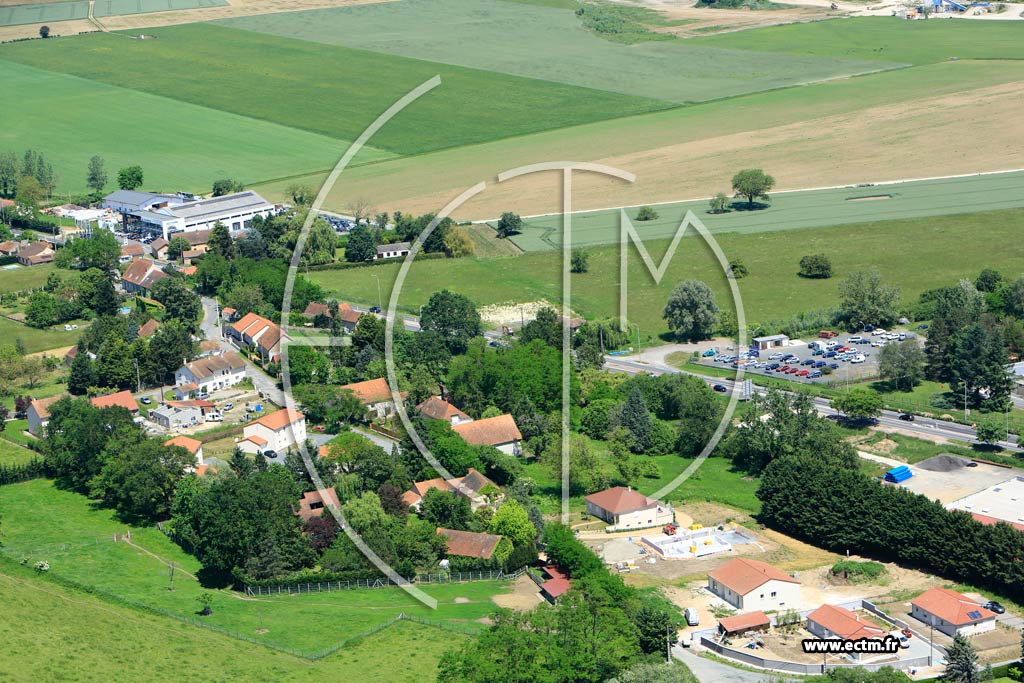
[[379, 439], [710, 671]]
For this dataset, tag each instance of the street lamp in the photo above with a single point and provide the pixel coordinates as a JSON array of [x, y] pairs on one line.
[[639, 349]]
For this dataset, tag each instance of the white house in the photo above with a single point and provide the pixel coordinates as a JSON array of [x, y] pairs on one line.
[[831, 621], [624, 508], [375, 394], [500, 431], [396, 250], [952, 613], [753, 585], [39, 415], [209, 374], [279, 431], [259, 334]]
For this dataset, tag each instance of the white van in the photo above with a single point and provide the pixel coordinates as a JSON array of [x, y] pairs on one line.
[[692, 618]]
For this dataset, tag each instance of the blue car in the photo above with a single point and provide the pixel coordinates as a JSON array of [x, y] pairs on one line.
[[830, 354], [814, 375], [869, 328], [820, 364], [809, 361], [834, 366], [817, 352], [708, 353]]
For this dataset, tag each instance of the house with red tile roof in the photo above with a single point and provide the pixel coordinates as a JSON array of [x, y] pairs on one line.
[[131, 251], [259, 334], [148, 328], [348, 315], [754, 585], [832, 621], [624, 508], [436, 408], [500, 431], [140, 276], [952, 613], [556, 585], [314, 503], [742, 623], [474, 486], [279, 432], [375, 394], [122, 399], [36, 253], [473, 544], [209, 373], [193, 446]]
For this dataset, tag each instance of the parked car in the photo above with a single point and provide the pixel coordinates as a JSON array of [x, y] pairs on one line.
[[859, 358], [708, 353], [826, 334], [994, 606], [820, 364], [854, 339], [793, 370], [814, 375], [868, 328], [227, 406], [146, 400], [374, 309], [906, 417], [830, 354], [270, 454], [803, 373], [720, 388], [776, 356], [809, 361], [834, 366], [784, 368], [692, 617], [817, 352], [877, 331], [773, 366]]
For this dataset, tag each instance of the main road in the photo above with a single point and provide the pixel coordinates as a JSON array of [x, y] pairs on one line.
[[923, 426]]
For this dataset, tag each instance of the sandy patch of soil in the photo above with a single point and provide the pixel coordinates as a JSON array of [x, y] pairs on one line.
[[524, 596]]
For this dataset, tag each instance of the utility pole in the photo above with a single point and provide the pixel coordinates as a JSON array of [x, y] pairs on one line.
[[668, 644], [171, 575], [965, 400], [639, 349], [380, 301]]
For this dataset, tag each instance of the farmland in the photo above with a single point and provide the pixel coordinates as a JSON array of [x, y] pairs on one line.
[[70, 119], [44, 523], [328, 90], [551, 44], [911, 253], [35, 339], [101, 641], [68, 11]]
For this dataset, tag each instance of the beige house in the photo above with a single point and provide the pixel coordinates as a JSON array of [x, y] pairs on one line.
[[39, 415], [500, 431], [259, 334], [624, 508], [210, 373], [278, 432], [375, 394], [753, 585], [830, 622], [193, 446], [952, 613]]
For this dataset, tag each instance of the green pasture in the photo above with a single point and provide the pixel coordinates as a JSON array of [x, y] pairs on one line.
[[791, 210], [67, 530], [90, 640], [110, 8], [38, 340], [881, 38], [14, 15], [550, 44], [13, 454], [180, 146], [21, 278], [912, 253], [328, 90]]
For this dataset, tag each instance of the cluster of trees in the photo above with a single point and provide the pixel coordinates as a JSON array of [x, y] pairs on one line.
[[361, 243], [17, 367], [972, 332], [102, 453], [691, 311], [29, 178], [821, 496], [598, 630]]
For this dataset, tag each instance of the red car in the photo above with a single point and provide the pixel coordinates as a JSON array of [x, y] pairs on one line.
[[319, 428], [803, 373], [784, 368], [793, 371]]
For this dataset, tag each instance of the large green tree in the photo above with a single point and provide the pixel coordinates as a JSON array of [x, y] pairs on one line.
[[752, 183], [902, 364], [961, 662], [220, 241], [130, 178], [865, 299], [859, 403], [512, 521], [179, 302], [138, 475], [454, 317], [977, 367], [361, 245], [691, 311], [96, 175]]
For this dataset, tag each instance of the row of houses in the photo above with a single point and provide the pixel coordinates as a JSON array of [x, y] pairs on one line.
[[258, 334], [28, 253]]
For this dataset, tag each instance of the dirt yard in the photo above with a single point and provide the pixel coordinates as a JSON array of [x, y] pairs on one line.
[[524, 596]]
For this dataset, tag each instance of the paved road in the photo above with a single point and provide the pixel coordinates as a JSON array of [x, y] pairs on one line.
[[379, 439], [710, 671], [921, 425], [211, 327]]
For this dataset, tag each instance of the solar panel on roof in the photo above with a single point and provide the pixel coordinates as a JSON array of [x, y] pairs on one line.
[[974, 614]]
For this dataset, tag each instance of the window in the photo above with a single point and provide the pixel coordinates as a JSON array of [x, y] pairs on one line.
[[774, 594]]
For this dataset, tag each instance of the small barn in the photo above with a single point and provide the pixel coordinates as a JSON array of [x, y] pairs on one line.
[[743, 623]]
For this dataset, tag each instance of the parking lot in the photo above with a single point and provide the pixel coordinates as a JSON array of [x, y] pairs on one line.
[[829, 358]]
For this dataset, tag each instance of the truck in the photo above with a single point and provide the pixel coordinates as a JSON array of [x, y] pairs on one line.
[[826, 334]]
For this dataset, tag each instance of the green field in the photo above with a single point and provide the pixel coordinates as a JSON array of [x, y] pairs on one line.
[[912, 253], [93, 641], [329, 90], [884, 38], [67, 11], [550, 44], [792, 210], [180, 146], [37, 340], [20, 278], [42, 522], [13, 454], [109, 8]]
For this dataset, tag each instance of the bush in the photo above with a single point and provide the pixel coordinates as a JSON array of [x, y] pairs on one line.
[[646, 213], [816, 267], [855, 571]]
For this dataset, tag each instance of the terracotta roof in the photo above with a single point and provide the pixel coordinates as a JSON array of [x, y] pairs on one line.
[[35, 249], [742, 575], [124, 399], [9, 247], [742, 622], [42, 406], [247, 321], [132, 249], [258, 440], [149, 328], [188, 443], [844, 623], [313, 503], [201, 470], [470, 484], [469, 543], [985, 519], [419, 489], [213, 365], [436, 408], [143, 273], [228, 310], [191, 270], [555, 587], [192, 253], [555, 572], [72, 353], [620, 500], [490, 431], [188, 386], [279, 419], [370, 391], [952, 607]]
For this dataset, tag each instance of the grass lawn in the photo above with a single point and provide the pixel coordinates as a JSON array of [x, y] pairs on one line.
[[70, 119], [13, 454], [329, 90], [42, 522], [93, 641], [911, 253], [715, 481], [551, 44], [38, 340], [21, 278], [882, 38], [15, 432]]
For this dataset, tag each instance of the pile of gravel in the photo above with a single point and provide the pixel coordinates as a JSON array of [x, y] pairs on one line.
[[944, 462]]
